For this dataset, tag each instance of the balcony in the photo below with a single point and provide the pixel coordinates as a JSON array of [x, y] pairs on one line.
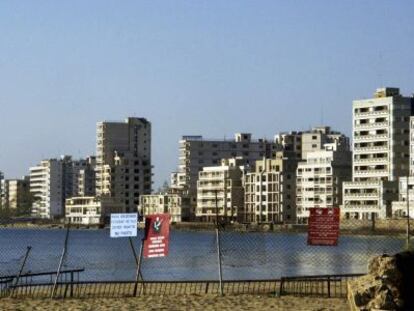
[[372, 160], [370, 137], [358, 115], [372, 125], [371, 148]]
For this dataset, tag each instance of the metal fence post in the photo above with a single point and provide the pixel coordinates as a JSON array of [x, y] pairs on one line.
[[71, 284], [329, 286], [138, 272], [373, 221], [219, 248], [21, 268], [65, 245]]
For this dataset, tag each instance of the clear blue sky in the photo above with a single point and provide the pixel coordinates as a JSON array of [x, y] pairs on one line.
[[190, 67]]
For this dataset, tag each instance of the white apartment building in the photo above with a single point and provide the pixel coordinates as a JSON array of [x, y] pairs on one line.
[[320, 177], [178, 206], [54, 180], [220, 191], [270, 191], [46, 188], [195, 152], [123, 161], [89, 210], [380, 154]]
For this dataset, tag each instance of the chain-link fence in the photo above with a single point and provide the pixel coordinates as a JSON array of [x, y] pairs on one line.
[[259, 258]]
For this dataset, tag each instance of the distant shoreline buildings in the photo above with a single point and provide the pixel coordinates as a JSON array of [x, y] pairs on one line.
[[238, 180]]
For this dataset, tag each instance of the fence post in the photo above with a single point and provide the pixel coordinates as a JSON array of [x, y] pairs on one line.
[[138, 272], [281, 287], [219, 247], [329, 286], [21, 269], [373, 221], [65, 246], [71, 284]]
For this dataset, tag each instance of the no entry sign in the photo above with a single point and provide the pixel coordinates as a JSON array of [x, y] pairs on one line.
[[157, 235], [323, 227]]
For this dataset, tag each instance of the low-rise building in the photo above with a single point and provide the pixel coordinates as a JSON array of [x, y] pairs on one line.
[[178, 206], [91, 210]]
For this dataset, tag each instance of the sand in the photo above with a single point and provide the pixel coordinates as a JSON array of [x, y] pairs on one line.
[[180, 302]]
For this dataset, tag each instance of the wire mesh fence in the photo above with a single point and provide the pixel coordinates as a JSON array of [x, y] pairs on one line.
[[250, 259]]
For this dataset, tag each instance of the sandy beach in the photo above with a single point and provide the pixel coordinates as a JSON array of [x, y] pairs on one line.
[[181, 302]]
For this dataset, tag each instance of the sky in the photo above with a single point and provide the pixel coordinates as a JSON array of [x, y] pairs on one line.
[[208, 68]]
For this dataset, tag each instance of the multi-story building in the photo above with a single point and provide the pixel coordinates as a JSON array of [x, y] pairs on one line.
[[270, 192], [54, 180], [16, 196], [47, 190], [90, 210], [83, 177], [404, 206], [380, 154], [220, 191], [178, 206], [320, 177], [298, 144], [406, 184], [123, 161], [196, 153]]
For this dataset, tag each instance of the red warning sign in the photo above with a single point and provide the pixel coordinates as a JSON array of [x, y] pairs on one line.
[[157, 235], [323, 227]]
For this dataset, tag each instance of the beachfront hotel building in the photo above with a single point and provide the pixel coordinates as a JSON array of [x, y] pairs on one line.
[[381, 153], [196, 152], [123, 161], [220, 191], [177, 205], [320, 177], [90, 210], [270, 191]]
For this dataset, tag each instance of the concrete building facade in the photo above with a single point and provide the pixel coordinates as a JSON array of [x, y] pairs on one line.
[[195, 153], [299, 143], [123, 161], [270, 191], [220, 191], [16, 196], [178, 206], [89, 210], [320, 177], [47, 190], [381, 127]]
